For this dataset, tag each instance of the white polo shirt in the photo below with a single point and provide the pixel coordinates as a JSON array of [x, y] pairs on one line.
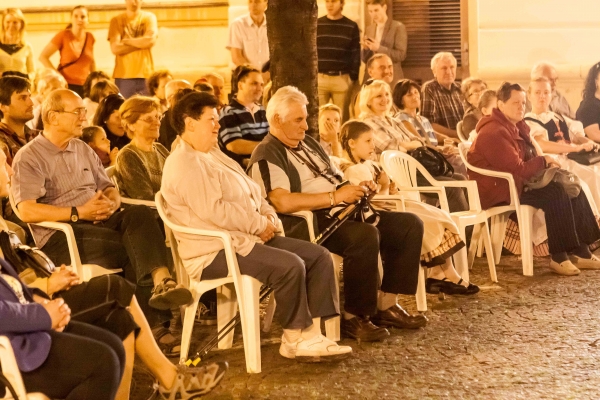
[[252, 39]]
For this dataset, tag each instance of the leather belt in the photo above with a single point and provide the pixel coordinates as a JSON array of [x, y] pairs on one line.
[[335, 73]]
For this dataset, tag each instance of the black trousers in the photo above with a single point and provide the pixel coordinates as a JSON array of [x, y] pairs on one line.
[[569, 222], [300, 274], [85, 362], [397, 236], [457, 199], [130, 239]]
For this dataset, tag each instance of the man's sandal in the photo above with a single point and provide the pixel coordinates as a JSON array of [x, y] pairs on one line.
[[191, 383], [168, 294]]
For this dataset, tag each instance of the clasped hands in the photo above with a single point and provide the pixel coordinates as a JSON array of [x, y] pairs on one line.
[[97, 209]]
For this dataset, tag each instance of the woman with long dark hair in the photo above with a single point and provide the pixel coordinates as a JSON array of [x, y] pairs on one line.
[[589, 109], [76, 47], [108, 117]]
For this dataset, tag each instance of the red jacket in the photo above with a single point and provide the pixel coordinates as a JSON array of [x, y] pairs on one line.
[[501, 146]]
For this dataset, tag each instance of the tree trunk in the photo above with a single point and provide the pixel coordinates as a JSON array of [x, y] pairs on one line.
[[292, 32]]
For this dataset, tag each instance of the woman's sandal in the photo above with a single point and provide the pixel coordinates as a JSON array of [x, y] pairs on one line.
[[169, 294], [169, 349], [191, 383]]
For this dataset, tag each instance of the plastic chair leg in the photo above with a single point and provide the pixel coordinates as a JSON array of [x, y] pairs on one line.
[[270, 312], [421, 293], [498, 231], [487, 242], [475, 246], [226, 309], [249, 307], [332, 329], [525, 222], [188, 326], [460, 258]]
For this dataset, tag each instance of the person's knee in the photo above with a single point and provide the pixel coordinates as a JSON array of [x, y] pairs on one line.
[[295, 269], [415, 224], [366, 236], [138, 212]]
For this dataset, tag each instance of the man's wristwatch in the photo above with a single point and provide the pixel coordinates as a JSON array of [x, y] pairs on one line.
[[74, 214]]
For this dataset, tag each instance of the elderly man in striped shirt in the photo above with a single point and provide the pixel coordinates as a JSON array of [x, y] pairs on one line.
[[244, 121]]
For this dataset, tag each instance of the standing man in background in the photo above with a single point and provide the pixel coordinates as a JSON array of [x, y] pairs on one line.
[[248, 37], [132, 35], [338, 49]]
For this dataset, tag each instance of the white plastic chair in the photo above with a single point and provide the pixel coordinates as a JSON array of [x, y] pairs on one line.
[[85, 271], [235, 290], [403, 168], [11, 371], [459, 131], [500, 214]]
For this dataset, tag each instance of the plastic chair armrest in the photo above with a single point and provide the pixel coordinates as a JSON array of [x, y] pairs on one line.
[[71, 242]]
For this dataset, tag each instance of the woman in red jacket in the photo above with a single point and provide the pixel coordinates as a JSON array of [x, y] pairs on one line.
[[503, 144]]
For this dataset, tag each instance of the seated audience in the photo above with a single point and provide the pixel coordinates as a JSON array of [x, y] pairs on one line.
[[503, 144], [102, 89], [330, 117], [472, 88], [156, 87], [441, 238], [589, 109], [59, 178], [487, 103], [93, 78], [17, 109], [441, 97], [379, 68], [218, 84], [95, 137], [295, 174], [44, 87], [140, 163], [244, 121], [558, 103], [390, 134], [108, 118], [167, 133], [204, 87], [205, 189], [558, 135]]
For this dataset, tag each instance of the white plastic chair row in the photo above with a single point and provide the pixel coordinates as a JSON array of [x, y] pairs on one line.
[[235, 290], [500, 214], [461, 135], [11, 371], [85, 271], [403, 169]]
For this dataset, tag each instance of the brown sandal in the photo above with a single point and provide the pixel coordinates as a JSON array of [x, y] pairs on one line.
[[168, 294]]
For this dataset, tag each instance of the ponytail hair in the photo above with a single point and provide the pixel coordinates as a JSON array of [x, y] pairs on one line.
[[352, 130]]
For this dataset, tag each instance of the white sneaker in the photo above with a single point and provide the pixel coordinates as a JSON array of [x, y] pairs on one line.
[[564, 268], [317, 349], [586, 263]]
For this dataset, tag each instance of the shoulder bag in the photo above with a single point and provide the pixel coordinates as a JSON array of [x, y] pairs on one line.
[[434, 162]]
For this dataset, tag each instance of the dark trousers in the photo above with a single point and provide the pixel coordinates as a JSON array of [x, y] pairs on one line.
[[130, 239], [457, 200], [85, 362], [397, 236], [300, 274], [569, 222]]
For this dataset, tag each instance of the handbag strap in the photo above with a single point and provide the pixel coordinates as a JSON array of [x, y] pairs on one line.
[[63, 66]]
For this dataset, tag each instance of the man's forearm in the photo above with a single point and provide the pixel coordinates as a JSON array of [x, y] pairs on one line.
[[242, 146], [120, 49], [291, 202], [32, 212], [141, 42], [443, 130]]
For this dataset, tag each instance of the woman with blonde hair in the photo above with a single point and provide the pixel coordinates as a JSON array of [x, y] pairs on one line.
[[391, 134], [140, 163], [15, 53], [76, 47]]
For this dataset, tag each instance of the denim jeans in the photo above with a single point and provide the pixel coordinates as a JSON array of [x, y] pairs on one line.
[[131, 240]]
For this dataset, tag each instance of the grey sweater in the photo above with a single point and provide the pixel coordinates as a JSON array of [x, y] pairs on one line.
[[139, 172]]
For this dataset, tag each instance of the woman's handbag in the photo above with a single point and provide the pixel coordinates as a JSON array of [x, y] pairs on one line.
[[23, 257], [585, 157], [434, 162], [569, 181]]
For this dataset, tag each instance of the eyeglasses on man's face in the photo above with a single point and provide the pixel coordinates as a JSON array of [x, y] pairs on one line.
[[80, 112]]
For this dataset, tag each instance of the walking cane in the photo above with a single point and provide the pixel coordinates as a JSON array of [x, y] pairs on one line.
[[338, 220]]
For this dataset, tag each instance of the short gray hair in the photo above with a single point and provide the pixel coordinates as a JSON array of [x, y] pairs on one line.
[[53, 102], [281, 101], [539, 67], [442, 55]]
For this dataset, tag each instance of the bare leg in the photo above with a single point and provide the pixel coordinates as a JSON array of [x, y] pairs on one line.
[[147, 349], [125, 386]]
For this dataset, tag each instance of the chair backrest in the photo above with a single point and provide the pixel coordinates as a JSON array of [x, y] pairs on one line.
[[459, 131], [111, 172], [10, 368], [402, 169]]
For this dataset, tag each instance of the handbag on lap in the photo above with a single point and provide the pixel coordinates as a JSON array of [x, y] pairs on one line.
[[585, 157]]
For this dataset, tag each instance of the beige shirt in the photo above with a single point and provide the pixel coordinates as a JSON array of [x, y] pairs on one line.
[[211, 191], [21, 61], [252, 39]]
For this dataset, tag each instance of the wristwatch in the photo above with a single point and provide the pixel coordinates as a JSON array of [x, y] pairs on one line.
[[74, 214]]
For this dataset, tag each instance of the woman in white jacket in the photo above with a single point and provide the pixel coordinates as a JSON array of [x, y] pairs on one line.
[[205, 189]]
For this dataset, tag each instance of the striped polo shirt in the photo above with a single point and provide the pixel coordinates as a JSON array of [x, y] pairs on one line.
[[237, 122]]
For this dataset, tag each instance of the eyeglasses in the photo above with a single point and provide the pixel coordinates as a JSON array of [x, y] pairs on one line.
[[80, 112], [475, 92], [150, 120]]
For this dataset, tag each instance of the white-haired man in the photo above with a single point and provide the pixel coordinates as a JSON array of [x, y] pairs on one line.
[[442, 101], [295, 174], [559, 103]]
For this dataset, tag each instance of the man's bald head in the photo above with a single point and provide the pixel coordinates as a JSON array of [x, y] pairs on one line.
[[173, 87], [57, 100]]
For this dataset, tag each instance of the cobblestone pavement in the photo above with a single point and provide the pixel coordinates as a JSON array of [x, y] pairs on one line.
[[532, 338]]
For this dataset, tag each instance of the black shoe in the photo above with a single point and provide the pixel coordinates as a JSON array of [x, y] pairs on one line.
[[397, 317], [471, 289], [435, 286], [363, 330]]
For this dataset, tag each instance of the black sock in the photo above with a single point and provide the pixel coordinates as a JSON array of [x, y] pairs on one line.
[[560, 257], [583, 251]]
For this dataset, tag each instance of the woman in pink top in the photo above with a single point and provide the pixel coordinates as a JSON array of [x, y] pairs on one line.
[[76, 47]]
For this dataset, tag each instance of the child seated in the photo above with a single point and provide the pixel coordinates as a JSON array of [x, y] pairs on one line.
[[96, 138]]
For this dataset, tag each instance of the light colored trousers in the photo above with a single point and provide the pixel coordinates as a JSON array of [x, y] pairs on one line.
[[335, 89]]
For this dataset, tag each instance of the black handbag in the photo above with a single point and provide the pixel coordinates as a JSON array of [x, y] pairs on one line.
[[434, 162], [585, 157], [22, 257]]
